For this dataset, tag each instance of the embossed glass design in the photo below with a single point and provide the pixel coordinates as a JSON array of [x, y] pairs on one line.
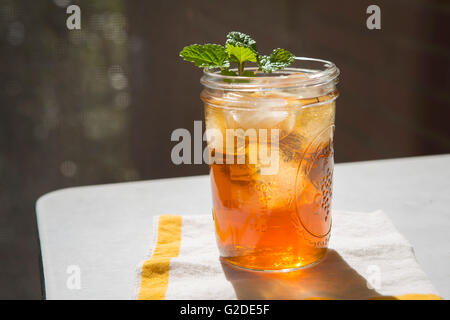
[[278, 221]]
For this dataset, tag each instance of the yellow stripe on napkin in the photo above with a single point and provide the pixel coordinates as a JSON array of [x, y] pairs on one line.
[[155, 271], [413, 296]]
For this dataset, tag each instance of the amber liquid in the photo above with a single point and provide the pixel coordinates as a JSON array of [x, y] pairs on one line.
[[281, 221]]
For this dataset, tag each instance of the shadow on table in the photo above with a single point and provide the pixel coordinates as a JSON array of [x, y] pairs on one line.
[[332, 278]]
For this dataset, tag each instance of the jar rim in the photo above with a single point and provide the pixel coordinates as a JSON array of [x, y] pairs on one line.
[[305, 72]]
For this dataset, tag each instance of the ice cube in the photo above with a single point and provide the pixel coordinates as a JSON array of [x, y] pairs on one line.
[[261, 118], [256, 119], [312, 120]]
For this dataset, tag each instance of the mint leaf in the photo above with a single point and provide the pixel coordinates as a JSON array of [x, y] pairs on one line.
[[240, 54], [278, 59], [206, 56], [239, 39], [241, 48]]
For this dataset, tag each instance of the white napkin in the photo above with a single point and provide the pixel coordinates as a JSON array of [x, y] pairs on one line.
[[367, 258]]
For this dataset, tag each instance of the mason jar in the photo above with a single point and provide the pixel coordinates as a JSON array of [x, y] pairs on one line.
[[270, 144]]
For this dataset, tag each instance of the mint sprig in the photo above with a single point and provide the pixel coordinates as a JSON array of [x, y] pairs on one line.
[[239, 48], [240, 55]]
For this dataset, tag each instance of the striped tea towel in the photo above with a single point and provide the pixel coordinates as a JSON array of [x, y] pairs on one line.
[[367, 259]]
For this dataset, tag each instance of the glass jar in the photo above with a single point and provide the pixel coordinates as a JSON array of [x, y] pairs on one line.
[[270, 142]]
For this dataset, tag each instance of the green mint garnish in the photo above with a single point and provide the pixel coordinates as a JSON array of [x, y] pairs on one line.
[[278, 59], [240, 55], [239, 39], [239, 48], [206, 56]]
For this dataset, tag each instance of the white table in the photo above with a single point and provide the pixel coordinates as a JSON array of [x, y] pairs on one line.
[[106, 230]]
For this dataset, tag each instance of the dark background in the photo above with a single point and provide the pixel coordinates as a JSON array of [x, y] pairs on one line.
[[98, 105]]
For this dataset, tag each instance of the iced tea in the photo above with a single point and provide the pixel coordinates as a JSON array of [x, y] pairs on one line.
[[272, 221]]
